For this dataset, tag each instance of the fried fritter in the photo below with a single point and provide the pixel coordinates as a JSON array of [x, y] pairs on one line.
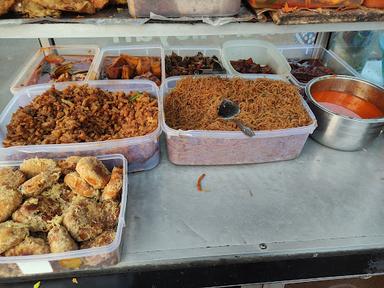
[[34, 166], [80, 186], [37, 213], [112, 190], [11, 178], [30, 246], [60, 241], [5, 5], [110, 213], [93, 171], [10, 200], [33, 10], [79, 6], [103, 239], [83, 219], [11, 234], [37, 184], [68, 165], [61, 194]]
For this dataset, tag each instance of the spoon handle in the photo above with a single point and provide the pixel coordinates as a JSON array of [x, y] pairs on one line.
[[245, 129]]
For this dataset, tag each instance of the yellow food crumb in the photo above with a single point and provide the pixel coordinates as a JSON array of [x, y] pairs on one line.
[[74, 281], [37, 285]]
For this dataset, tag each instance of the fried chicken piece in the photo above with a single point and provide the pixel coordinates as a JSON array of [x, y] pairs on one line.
[[36, 185], [79, 6], [68, 165], [93, 171], [11, 178], [112, 190], [30, 246], [11, 234], [34, 166], [144, 66], [10, 200], [156, 66], [83, 219], [128, 72], [32, 9], [131, 60], [60, 241], [61, 194], [110, 214], [80, 186], [103, 239], [5, 5], [38, 213]]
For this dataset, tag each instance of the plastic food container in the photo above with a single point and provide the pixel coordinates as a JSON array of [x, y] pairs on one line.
[[148, 50], [193, 50], [326, 57], [24, 77], [80, 259], [261, 52], [142, 153], [374, 3], [179, 8], [196, 147], [304, 3]]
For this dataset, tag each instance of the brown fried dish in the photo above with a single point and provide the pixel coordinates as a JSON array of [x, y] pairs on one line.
[[54, 217], [82, 114]]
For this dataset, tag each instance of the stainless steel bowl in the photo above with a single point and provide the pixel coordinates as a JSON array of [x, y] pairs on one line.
[[342, 132]]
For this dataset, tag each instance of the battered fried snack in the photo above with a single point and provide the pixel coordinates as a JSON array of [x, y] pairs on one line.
[[37, 213], [34, 10], [30, 246], [5, 5], [79, 6], [11, 234], [60, 241], [61, 194], [110, 211], [82, 219], [11, 178], [112, 190], [68, 165], [93, 171], [34, 166], [36, 185], [80, 186], [10, 200], [103, 239]]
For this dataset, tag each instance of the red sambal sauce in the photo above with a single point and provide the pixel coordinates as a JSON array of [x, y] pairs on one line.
[[347, 104]]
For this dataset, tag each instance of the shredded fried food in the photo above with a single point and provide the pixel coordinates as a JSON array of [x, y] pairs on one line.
[[82, 114], [265, 104]]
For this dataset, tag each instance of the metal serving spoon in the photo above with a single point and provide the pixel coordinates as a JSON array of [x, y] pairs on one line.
[[228, 110]]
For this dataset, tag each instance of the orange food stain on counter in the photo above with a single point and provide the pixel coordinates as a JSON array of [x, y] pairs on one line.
[[347, 104]]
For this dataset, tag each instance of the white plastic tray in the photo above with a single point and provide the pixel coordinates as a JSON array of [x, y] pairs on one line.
[[142, 153], [85, 259]]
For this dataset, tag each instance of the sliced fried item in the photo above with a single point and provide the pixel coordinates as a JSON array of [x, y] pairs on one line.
[[79, 6], [5, 5], [11, 234], [10, 200], [38, 213], [34, 166], [110, 213], [11, 178], [83, 219], [30, 246], [103, 239], [79, 186], [34, 10], [37, 184], [68, 165], [93, 171], [60, 241], [112, 190]]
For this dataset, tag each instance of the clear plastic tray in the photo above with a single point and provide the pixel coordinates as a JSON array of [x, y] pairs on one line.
[[193, 50], [21, 81], [195, 147], [142, 153], [262, 52], [179, 8], [145, 50], [328, 58], [304, 3], [73, 260]]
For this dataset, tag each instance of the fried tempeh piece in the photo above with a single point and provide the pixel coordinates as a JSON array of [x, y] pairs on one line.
[[60, 241], [10, 200], [34, 166], [11, 178], [37, 184], [103, 239], [112, 190], [11, 234], [80, 186], [30, 246], [83, 219], [110, 211], [68, 165], [93, 171]]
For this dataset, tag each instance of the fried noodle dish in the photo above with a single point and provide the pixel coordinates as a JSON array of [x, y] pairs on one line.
[[265, 104]]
